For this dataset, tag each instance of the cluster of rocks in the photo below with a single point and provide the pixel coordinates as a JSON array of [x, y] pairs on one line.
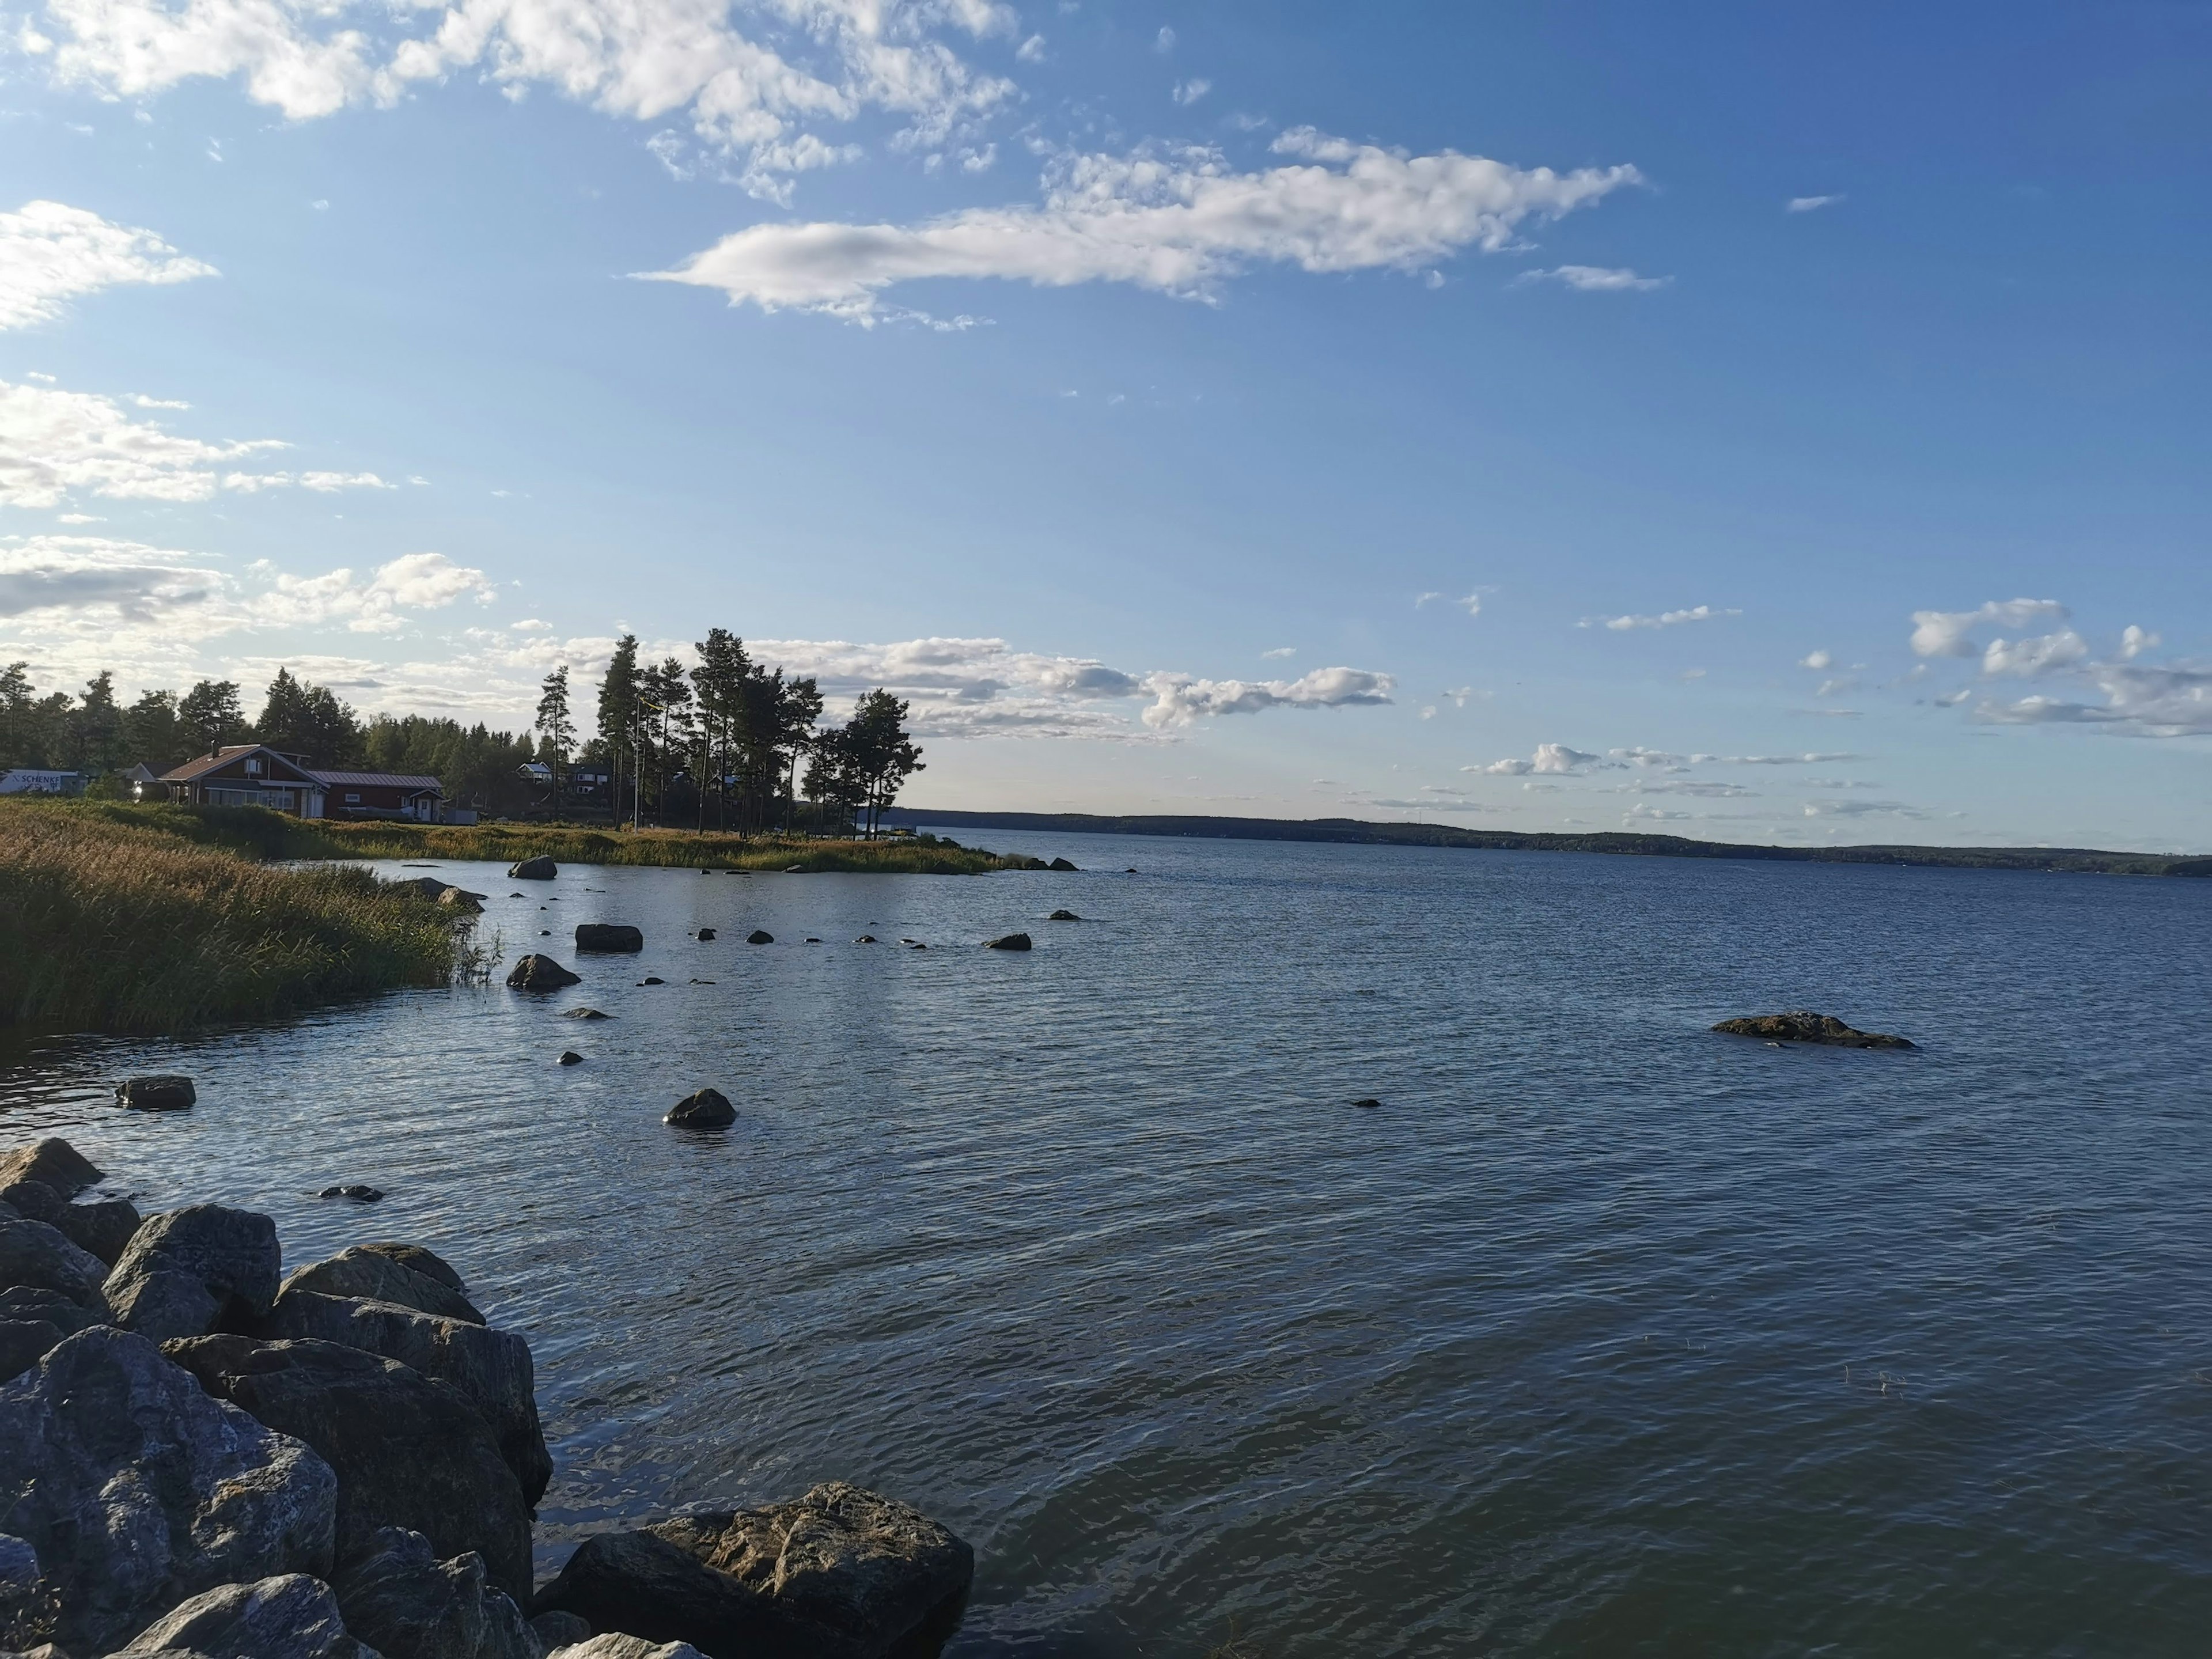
[[202, 1457], [1804, 1026]]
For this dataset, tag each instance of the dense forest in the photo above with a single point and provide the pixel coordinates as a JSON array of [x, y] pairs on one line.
[[726, 742]]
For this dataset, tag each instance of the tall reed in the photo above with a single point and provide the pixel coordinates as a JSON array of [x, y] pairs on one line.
[[111, 925]]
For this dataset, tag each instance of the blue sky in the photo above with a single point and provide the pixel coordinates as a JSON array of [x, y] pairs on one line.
[[1763, 422]]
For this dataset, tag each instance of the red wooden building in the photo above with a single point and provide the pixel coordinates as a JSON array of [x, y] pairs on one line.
[[254, 774]]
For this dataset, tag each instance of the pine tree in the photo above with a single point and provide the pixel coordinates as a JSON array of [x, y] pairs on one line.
[[210, 714], [618, 711]]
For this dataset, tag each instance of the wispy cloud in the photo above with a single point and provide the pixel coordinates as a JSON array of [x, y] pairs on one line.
[[1809, 204], [1594, 279], [1180, 223], [1189, 92], [51, 253], [1665, 619]]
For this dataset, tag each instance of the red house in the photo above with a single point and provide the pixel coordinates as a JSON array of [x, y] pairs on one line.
[[382, 795], [248, 775]]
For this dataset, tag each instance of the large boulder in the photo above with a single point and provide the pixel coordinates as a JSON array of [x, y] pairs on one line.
[[40, 1257], [290, 1617], [1008, 942], [536, 972], [374, 1273], [609, 936], [1059, 864], [1804, 1026], [101, 1228], [457, 898], [540, 868], [136, 1490], [165, 1093], [53, 1162], [614, 1645], [404, 1601], [186, 1271], [704, 1109], [421, 1259], [841, 1573], [408, 1451], [33, 1321], [492, 1368]]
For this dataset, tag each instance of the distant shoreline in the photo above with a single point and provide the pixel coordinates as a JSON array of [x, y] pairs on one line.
[[2072, 859]]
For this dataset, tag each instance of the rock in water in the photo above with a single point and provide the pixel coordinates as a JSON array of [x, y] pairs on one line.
[[1063, 915], [407, 1451], [1370, 1104], [759, 936], [188, 1270], [455, 899], [372, 1272], [404, 1601], [584, 1013], [866, 939], [294, 1617], [536, 972], [795, 869], [608, 936], [53, 1162], [707, 1110], [137, 1490], [706, 935], [1803, 1026], [841, 1573], [156, 1094], [1059, 864], [540, 868], [569, 1057], [492, 1368], [1008, 942], [360, 1192]]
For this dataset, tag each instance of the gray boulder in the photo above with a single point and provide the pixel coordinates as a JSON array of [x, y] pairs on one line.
[[136, 1490], [468, 903], [33, 1321], [707, 1108], [33, 1200], [492, 1368], [290, 1617], [609, 936], [104, 1228], [1008, 942], [759, 936], [1059, 864], [374, 1273], [165, 1093], [616, 1646], [53, 1162], [419, 1258], [841, 1573], [540, 868], [230, 1255], [408, 1451], [1063, 915], [536, 972], [404, 1601], [39, 1257]]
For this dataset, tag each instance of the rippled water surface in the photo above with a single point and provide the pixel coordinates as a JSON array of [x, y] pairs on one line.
[[1605, 1336]]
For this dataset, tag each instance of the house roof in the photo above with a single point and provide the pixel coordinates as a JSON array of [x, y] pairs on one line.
[[223, 757], [378, 781]]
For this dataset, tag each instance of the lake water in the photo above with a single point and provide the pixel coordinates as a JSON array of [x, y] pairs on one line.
[[1605, 1336]]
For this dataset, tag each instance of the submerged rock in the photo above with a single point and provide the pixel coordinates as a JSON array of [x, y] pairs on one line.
[[866, 939], [536, 972], [187, 1271], [492, 1368], [540, 868], [407, 1451], [841, 1573], [584, 1013], [360, 1192], [53, 1162], [399, 1598], [1369, 1103], [291, 1617], [1063, 915], [156, 1094], [372, 1272], [707, 1109], [759, 936], [1804, 1026], [609, 937], [1008, 942], [569, 1057], [137, 1491]]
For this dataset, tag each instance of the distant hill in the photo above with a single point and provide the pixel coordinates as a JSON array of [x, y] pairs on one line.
[[2076, 860]]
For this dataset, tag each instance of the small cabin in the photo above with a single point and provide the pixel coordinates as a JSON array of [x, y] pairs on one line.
[[248, 775], [382, 795]]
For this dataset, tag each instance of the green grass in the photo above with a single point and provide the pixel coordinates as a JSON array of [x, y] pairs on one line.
[[120, 919], [261, 832]]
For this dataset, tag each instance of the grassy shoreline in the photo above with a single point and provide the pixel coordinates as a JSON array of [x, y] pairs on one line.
[[159, 920]]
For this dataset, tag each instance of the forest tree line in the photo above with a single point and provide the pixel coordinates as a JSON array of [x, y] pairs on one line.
[[727, 743]]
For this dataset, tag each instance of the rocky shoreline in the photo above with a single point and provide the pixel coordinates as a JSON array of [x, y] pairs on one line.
[[204, 1457]]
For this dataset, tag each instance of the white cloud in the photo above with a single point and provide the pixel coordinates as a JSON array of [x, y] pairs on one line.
[[1809, 204], [1860, 809], [1664, 619], [1819, 661], [55, 443], [1948, 633], [1031, 50], [1179, 700], [2157, 702], [2135, 641], [1179, 223], [1281, 651], [2028, 658], [1164, 42], [1594, 279], [1190, 91], [1550, 757], [1775, 760], [754, 75], [51, 252]]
